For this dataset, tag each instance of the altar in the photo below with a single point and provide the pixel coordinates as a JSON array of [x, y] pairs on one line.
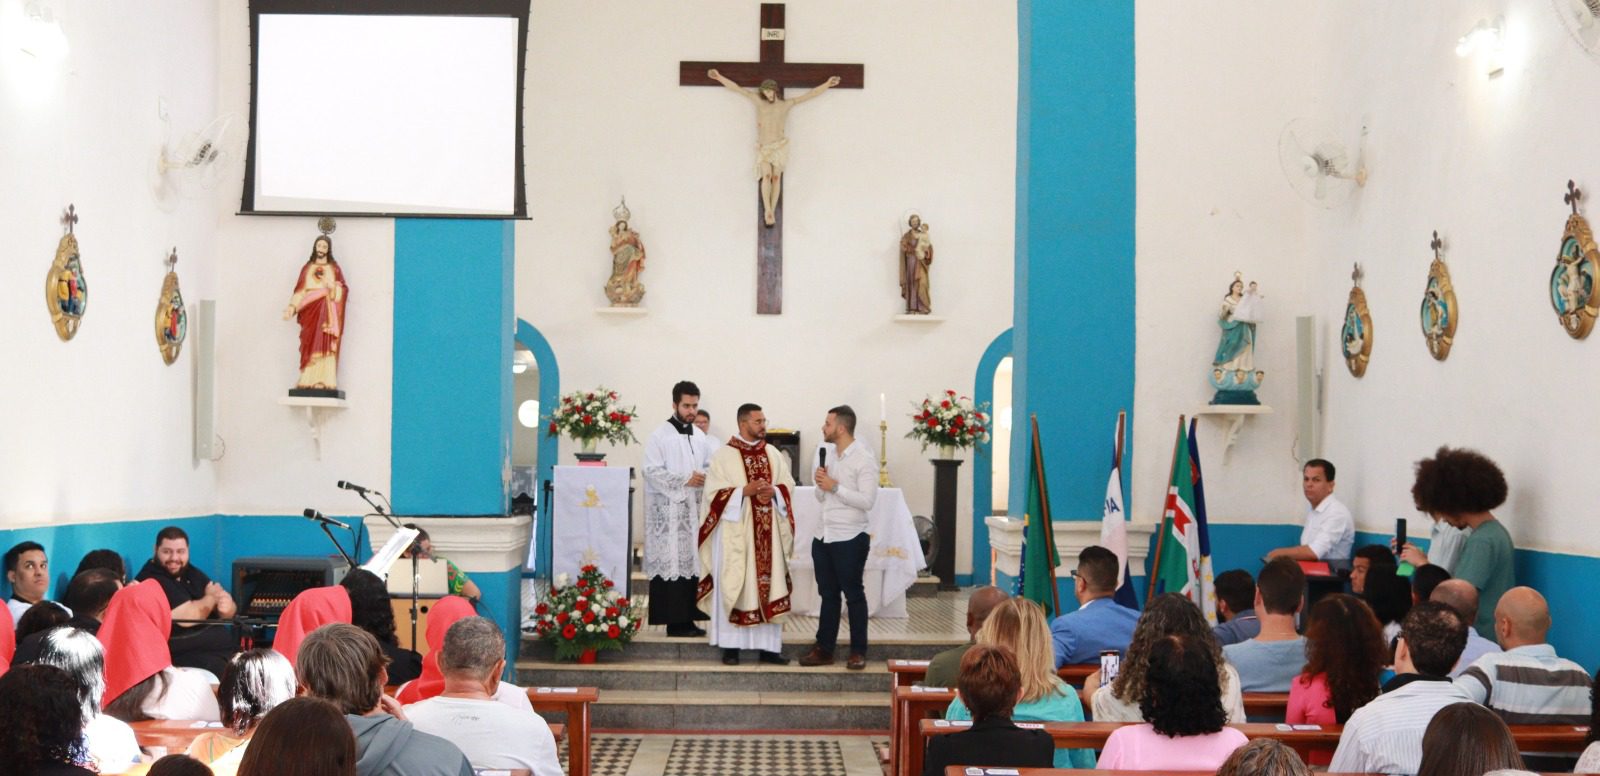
[[892, 563]]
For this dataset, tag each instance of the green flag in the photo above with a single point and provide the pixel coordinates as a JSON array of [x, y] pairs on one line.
[[1177, 570], [1036, 580]]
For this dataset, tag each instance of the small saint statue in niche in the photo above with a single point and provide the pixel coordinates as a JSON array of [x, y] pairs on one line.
[[916, 257], [627, 261], [1233, 372], [772, 145], [318, 306]]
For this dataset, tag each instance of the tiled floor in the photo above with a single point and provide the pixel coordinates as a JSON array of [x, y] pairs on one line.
[[937, 618], [732, 755]]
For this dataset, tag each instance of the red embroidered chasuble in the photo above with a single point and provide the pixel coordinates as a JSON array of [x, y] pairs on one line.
[[757, 466]]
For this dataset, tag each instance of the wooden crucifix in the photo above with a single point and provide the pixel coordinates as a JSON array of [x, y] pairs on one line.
[[769, 77]]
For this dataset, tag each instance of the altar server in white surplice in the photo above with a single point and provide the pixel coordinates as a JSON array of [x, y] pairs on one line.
[[746, 539], [675, 461]]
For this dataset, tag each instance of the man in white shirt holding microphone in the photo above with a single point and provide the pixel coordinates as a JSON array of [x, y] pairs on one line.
[[847, 486]]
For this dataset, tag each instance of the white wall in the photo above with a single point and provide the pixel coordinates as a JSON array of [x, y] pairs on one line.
[[934, 130], [1215, 83], [99, 428], [1485, 162]]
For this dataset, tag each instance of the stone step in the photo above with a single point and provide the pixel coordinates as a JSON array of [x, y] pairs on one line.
[[650, 646], [613, 672], [639, 585], [740, 710]]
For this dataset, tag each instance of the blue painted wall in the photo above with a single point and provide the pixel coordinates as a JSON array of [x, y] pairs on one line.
[[982, 462], [549, 398], [1074, 299], [453, 335]]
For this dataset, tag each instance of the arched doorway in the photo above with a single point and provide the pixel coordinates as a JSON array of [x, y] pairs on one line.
[[535, 361], [990, 475]]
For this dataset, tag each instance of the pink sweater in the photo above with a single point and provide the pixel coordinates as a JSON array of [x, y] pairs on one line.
[[1141, 748], [1309, 702]]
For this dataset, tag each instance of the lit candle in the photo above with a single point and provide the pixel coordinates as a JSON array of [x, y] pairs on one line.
[[883, 407]]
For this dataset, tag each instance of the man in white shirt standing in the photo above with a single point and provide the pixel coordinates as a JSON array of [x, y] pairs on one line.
[[1330, 530], [847, 488], [675, 460], [490, 733]]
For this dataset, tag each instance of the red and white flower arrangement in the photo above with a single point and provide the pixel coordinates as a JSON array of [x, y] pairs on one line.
[[591, 416], [585, 616], [950, 420]]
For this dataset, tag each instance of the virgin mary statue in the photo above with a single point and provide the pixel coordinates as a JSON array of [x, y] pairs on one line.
[[318, 306], [1233, 372]]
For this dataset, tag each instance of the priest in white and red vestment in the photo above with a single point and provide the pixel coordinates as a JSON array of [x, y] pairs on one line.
[[746, 538]]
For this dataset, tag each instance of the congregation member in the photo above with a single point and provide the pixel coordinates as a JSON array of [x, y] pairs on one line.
[[1330, 531], [1264, 757], [1461, 596], [989, 685], [1528, 683], [8, 643], [445, 614], [945, 667], [41, 722], [1099, 623], [1236, 607], [193, 599], [1271, 660], [110, 560], [39, 618], [1589, 761], [1467, 738], [1185, 726], [675, 458], [466, 713], [110, 743], [1385, 736], [307, 611], [1463, 487], [344, 665], [1366, 558], [702, 421], [28, 571], [1344, 655], [1165, 615], [87, 596], [747, 520], [371, 611], [301, 737], [1389, 595], [178, 765], [1444, 546], [1018, 626], [141, 681], [456, 581], [1424, 580], [253, 684], [846, 487]]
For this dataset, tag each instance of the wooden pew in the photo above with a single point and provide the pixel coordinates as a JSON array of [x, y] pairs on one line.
[[576, 706], [961, 770], [1266, 704], [1303, 739], [173, 736]]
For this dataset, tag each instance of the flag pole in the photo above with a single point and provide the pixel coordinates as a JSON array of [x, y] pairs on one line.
[[1161, 526], [1044, 509], [1122, 419]]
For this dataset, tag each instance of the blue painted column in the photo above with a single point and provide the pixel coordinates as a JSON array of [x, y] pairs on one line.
[[453, 339], [1074, 300]]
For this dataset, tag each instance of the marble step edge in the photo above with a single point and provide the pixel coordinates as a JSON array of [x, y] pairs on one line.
[[742, 698], [661, 665]]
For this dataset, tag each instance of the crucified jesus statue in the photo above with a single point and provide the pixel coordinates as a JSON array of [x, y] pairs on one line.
[[772, 146]]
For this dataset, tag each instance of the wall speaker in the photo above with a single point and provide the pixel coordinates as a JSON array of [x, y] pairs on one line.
[[206, 447], [1308, 390]]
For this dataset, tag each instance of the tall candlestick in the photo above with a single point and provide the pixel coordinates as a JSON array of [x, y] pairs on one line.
[[883, 455]]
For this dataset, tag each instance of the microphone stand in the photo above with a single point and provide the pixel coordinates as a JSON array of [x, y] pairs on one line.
[[416, 584]]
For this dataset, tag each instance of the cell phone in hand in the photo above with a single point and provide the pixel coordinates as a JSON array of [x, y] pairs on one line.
[[1110, 665], [1399, 534]]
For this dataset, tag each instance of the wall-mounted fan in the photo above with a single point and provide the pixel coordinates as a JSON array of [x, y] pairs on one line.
[[1322, 170], [1582, 20], [199, 161]]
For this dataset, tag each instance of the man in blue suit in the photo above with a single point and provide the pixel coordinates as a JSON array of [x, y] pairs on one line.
[[1099, 623]]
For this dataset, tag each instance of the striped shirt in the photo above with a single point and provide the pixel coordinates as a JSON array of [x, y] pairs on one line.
[[1529, 685], [1385, 736]]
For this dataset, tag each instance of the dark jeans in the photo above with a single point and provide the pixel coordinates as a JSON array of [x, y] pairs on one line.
[[839, 566]]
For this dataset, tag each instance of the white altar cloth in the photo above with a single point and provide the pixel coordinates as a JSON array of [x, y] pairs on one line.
[[892, 563]]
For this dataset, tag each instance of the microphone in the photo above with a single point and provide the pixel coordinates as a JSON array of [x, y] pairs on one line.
[[313, 514], [822, 457], [352, 486]]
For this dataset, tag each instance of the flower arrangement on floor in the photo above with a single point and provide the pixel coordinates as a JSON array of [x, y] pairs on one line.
[[950, 422], [584, 617], [587, 417]]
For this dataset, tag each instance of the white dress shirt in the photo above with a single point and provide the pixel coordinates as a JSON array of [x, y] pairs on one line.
[[844, 509], [1385, 736], [1330, 531]]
